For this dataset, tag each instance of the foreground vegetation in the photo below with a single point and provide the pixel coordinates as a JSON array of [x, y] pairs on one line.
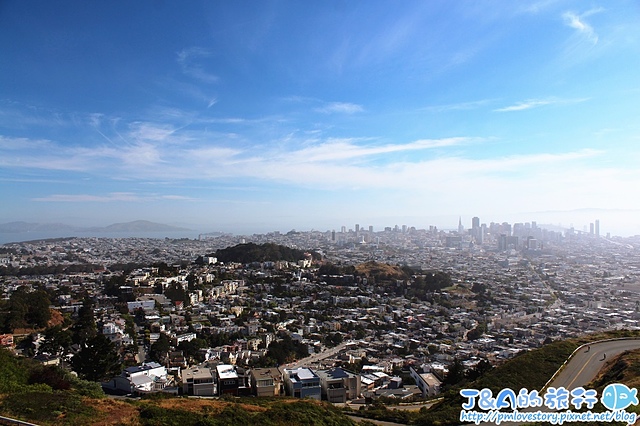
[[529, 370], [48, 395]]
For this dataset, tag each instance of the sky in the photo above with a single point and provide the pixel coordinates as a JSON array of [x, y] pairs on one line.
[[276, 115]]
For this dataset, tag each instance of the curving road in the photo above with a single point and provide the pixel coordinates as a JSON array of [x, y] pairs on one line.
[[583, 367]]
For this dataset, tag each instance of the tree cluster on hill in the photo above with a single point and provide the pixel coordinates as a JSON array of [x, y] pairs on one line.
[[251, 252], [333, 269], [25, 309], [383, 272], [422, 285], [46, 394]]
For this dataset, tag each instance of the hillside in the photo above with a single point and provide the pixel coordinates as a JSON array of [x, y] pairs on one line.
[[529, 370], [624, 368], [51, 396], [251, 252], [381, 271]]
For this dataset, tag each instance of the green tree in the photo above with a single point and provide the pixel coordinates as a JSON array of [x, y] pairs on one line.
[[175, 292], [192, 348], [456, 373], [85, 326], [57, 341], [160, 349], [140, 317], [97, 359], [38, 312], [28, 309]]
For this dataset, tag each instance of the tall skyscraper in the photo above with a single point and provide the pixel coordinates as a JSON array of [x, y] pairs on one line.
[[597, 227], [460, 226], [502, 242], [476, 231]]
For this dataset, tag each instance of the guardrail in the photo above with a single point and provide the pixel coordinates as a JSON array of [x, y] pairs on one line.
[[578, 349], [10, 421]]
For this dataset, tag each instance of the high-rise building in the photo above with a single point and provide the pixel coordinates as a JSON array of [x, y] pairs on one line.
[[597, 227], [502, 242], [357, 228], [371, 229], [592, 229], [460, 227], [476, 231]]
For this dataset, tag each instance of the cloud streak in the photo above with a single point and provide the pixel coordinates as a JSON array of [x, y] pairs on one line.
[[536, 103], [340, 108], [188, 59], [109, 198], [313, 162], [578, 23]]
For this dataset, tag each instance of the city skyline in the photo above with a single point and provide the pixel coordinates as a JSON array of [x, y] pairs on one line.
[[264, 116]]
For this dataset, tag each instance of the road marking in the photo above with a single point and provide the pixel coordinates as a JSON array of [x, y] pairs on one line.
[[583, 367]]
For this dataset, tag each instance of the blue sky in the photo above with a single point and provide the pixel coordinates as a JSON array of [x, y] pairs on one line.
[[272, 115]]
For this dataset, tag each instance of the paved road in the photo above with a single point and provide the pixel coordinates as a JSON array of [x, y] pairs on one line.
[[312, 359], [586, 363], [583, 367], [378, 422]]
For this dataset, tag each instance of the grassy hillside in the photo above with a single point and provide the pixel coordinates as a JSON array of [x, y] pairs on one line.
[[45, 395], [381, 271], [50, 396], [529, 370]]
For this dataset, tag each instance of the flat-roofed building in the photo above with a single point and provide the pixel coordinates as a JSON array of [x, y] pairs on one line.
[[266, 382], [302, 383], [339, 385], [228, 380], [198, 381], [428, 383]]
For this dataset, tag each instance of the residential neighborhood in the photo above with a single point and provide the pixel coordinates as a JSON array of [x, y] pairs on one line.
[[362, 315]]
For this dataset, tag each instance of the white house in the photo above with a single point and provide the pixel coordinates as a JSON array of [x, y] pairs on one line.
[[146, 378]]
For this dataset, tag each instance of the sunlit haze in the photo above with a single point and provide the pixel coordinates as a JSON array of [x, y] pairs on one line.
[[255, 116]]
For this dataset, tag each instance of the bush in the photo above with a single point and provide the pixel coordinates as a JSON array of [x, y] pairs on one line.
[[49, 407]]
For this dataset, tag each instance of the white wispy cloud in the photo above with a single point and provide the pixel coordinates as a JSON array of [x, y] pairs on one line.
[[578, 23], [344, 149], [535, 103], [561, 178], [461, 106], [15, 144], [109, 198], [188, 61], [340, 108], [314, 162], [145, 131], [528, 104]]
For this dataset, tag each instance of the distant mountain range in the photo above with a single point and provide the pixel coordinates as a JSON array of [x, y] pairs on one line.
[[135, 226]]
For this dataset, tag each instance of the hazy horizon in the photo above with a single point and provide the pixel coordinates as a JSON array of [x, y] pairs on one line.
[[279, 115], [580, 221]]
